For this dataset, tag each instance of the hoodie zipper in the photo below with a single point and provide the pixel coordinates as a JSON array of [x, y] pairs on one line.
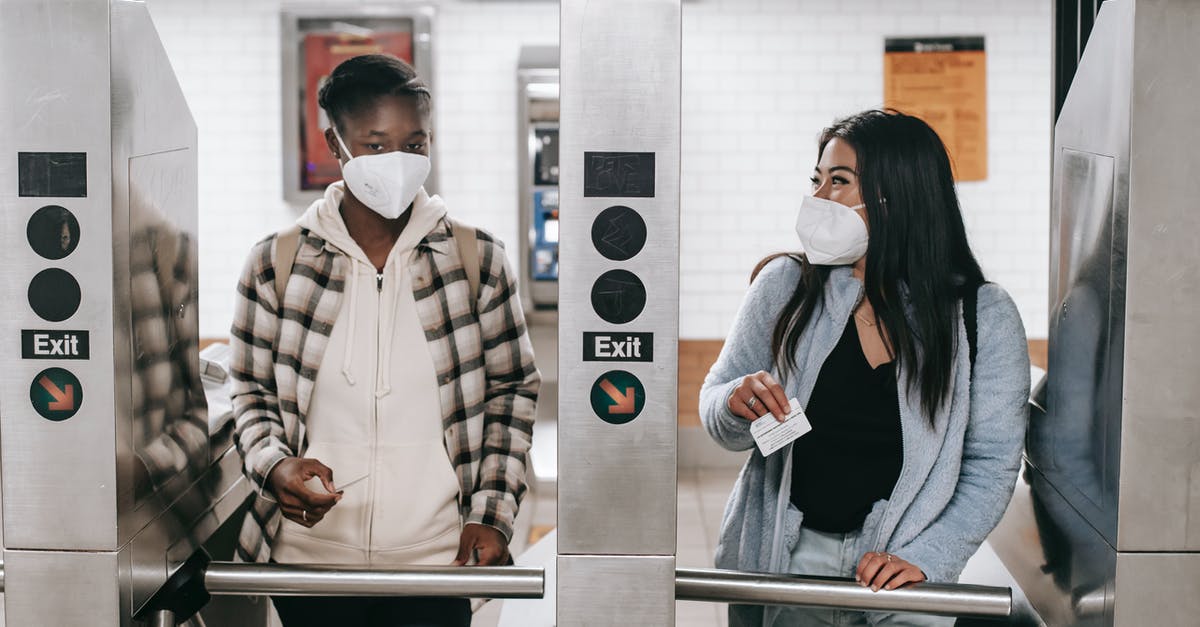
[[375, 415]]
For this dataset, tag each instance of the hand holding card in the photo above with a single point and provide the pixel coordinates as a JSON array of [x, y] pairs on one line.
[[772, 435]]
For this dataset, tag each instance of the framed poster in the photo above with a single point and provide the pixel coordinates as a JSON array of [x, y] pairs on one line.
[[314, 42], [943, 80]]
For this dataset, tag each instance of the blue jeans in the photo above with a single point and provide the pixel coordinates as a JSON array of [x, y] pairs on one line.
[[832, 555]]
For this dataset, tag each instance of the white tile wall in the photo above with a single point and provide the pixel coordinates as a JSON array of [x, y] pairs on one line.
[[761, 78]]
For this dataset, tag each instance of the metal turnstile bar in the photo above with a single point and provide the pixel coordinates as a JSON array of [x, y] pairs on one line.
[[492, 582], [726, 586]]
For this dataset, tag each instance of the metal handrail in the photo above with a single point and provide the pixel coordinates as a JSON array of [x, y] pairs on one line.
[[492, 582], [727, 586]]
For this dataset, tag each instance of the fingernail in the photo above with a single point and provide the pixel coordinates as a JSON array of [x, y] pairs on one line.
[[874, 588]]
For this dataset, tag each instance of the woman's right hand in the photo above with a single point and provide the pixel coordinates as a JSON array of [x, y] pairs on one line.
[[298, 503], [758, 394]]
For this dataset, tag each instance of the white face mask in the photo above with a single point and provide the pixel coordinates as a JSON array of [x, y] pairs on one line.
[[386, 182], [832, 233]]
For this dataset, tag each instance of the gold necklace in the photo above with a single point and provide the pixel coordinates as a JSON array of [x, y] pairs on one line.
[[867, 321]]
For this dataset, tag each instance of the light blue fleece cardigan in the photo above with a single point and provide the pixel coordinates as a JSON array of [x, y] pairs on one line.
[[957, 476]]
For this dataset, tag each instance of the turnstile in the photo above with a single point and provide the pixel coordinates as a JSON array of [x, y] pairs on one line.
[[113, 475], [1105, 527]]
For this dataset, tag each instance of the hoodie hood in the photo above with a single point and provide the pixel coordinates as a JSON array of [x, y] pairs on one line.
[[324, 218]]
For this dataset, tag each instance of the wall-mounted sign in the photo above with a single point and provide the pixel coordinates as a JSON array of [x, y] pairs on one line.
[[943, 80], [619, 233], [53, 232], [618, 174], [618, 346], [52, 174], [315, 40], [55, 394], [54, 344], [618, 296], [618, 397], [324, 51], [54, 295]]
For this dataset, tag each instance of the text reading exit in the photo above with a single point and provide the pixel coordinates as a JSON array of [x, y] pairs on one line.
[[54, 344]]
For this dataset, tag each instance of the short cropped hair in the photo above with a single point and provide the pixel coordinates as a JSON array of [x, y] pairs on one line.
[[358, 82]]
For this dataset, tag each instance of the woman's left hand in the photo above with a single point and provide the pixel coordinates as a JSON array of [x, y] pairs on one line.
[[884, 571]]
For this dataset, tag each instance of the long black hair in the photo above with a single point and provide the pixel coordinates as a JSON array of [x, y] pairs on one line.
[[917, 244]]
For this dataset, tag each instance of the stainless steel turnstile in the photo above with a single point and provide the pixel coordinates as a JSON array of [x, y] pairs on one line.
[[112, 475], [1105, 527]]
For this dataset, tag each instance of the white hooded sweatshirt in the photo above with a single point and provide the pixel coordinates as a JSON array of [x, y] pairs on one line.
[[375, 415]]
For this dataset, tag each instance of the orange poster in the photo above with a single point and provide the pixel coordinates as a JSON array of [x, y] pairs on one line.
[[943, 80], [323, 51]]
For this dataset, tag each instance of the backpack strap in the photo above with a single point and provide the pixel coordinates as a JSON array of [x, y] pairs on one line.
[[287, 244], [970, 310], [467, 240]]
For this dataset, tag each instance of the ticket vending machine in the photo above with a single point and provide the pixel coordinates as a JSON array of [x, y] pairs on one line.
[[537, 156], [537, 204]]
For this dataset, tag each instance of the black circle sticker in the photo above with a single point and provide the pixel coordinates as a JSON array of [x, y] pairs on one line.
[[54, 295], [619, 233], [56, 394], [618, 296], [53, 232], [618, 397]]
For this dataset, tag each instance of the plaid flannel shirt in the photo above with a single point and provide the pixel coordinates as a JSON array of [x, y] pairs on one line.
[[487, 381]]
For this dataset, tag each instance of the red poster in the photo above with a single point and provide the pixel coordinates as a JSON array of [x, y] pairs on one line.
[[322, 53]]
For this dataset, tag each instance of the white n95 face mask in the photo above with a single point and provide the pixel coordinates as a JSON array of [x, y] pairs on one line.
[[386, 182], [831, 233]]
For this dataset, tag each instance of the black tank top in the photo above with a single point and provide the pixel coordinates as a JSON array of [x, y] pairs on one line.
[[853, 454]]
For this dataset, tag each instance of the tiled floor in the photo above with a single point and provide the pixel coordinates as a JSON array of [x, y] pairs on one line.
[[702, 495]]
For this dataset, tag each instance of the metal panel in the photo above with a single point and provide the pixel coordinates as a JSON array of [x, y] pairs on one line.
[[1078, 446], [620, 92], [62, 588], [59, 477], [1157, 589], [1114, 462], [596, 591], [1160, 439], [1063, 565]]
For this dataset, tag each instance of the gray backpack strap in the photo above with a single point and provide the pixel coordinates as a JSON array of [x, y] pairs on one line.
[[467, 240], [287, 243]]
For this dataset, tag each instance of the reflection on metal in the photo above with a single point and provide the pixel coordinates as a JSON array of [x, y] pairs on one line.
[[499, 582], [100, 507], [163, 618], [723, 586], [1104, 526]]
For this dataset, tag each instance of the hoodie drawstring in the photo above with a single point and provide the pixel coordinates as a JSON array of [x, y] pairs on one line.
[[348, 356]]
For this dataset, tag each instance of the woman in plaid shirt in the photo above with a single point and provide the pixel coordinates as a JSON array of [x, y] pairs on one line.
[[384, 412]]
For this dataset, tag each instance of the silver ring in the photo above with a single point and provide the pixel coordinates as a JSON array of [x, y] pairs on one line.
[[752, 402], [888, 556], [304, 514]]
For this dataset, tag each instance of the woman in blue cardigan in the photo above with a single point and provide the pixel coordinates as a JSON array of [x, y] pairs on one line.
[[918, 416]]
